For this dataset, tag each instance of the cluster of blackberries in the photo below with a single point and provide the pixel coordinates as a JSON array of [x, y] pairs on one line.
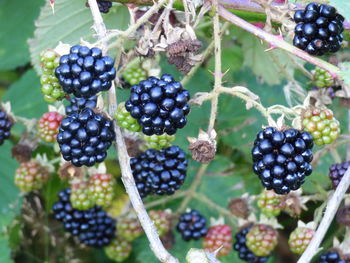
[[331, 257], [282, 158], [159, 105], [319, 29], [84, 72], [159, 171], [93, 227], [78, 104], [5, 126], [336, 173], [244, 252], [85, 137], [192, 225]]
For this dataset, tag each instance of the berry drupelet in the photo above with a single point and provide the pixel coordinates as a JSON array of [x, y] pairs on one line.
[[282, 158], [159, 172], [244, 252], [78, 104], [192, 225], [331, 257], [5, 126], [84, 72], [93, 227], [336, 173], [319, 29], [159, 105], [84, 138]]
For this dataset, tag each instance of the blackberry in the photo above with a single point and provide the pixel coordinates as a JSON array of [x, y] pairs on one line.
[[125, 120], [84, 72], [93, 226], [319, 29], [270, 203], [129, 227], [219, 237], [134, 74], [299, 239], [159, 105], [84, 138], [103, 6], [48, 126], [80, 197], [282, 158], [192, 225], [78, 104], [101, 189], [323, 78], [331, 257], [119, 250], [159, 172], [244, 252], [336, 173], [162, 221], [5, 126], [262, 239], [31, 176], [158, 142]]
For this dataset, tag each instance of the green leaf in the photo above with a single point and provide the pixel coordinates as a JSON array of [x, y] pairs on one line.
[[16, 26], [343, 7], [345, 73], [71, 22]]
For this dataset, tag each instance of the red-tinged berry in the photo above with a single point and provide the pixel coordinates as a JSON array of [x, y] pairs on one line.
[[80, 197], [219, 236], [134, 74], [336, 173], [322, 125], [101, 189], [50, 86], [262, 240], [161, 220], [192, 225], [158, 142], [129, 228], [299, 239], [31, 176], [119, 250], [270, 203], [125, 120], [5, 126], [323, 78], [48, 126]]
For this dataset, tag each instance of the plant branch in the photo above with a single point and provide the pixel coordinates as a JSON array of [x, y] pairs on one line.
[[331, 209]]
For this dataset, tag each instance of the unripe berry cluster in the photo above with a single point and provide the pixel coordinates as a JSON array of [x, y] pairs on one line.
[[261, 240], [101, 189], [299, 239], [31, 176], [323, 78], [134, 74], [48, 126], [161, 220], [80, 196], [129, 228], [219, 237], [125, 120], [270, 203], [158, 142], [118, 250]]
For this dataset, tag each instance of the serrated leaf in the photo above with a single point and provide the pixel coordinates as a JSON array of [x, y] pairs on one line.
[[343, 7], [70, 22]]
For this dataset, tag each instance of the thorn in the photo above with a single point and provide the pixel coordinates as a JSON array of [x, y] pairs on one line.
[[52, 4]]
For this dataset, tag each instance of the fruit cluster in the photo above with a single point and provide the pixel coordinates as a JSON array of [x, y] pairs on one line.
[[48, 126], [31, 176], [192, 225], [323, 79], [159, 105], [299, 239], [336, 173], [282, 158], [5, 126], [322, 125], [261, 240], [78, 104], [84, 138], [219, 237], [84, 72], [244, 252], [270, 203], [93, 227], [319, 29], [159, 172], [50, 87]]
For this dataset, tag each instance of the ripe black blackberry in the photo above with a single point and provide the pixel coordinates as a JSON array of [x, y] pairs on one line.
[[103, 6], [93, 226], [159, 171], [244, 252], [78, 104], [84, 72], [192, 225], [331, 257], [85, 137], [5, 126], [336, 173], [282, 158], [159, 105], [319, 29]]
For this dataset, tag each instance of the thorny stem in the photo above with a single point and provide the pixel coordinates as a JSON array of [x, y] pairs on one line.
[[331, 209], [124, 160]]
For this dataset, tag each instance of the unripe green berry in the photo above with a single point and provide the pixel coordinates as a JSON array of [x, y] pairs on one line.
[[158, 142], [129, 228], [270, 203], [119, 250], [323, 78], [125, 120], [299, 239], [80, 197], [134, 74], [101, 189]]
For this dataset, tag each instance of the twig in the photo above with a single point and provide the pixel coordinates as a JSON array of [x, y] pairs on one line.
[[331, 209]]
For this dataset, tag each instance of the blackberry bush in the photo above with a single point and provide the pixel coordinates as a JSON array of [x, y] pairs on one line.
[[78, 104], [322, 125], [101, 189], [31, 176], [299, 239], [192, 225], [219, 236], [93, 226], [48, 126], [159, 105], [336, 173], [159, 172], [261, 239], [84, 138], [125, 120], [244, 252], [319, 29], [282, 158], [84, 72], [5, 126]]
